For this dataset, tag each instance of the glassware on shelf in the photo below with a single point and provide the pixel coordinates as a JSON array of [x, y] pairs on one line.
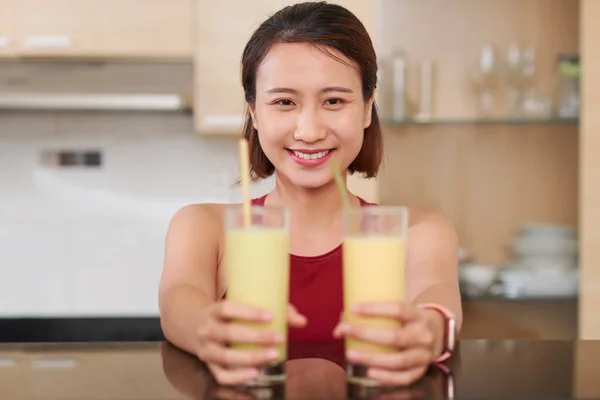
[[513, 75], [426, 91], [399, 86], [486, 80], [534, 104], [569, 72], [520, 72]]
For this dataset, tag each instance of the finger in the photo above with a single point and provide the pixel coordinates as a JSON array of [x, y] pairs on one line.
[[237, 333], [229, 377], [401, 378], [404, 312], [402, 360], [296, 319], [415, 335], [228, 310], [225, 356], [339, 330]]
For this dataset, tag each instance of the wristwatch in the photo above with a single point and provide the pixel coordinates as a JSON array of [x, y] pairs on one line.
[[449, 330]]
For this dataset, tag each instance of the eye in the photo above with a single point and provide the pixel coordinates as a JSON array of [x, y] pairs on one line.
[[334, 101], [284, 102]]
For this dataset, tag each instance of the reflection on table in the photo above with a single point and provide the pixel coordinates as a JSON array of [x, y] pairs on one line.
[[315, 370]]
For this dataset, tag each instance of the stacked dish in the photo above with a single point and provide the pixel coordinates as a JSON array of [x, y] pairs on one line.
[[546, 261]]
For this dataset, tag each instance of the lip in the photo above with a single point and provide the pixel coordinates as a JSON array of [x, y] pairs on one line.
[[310, 163], [309, 151]]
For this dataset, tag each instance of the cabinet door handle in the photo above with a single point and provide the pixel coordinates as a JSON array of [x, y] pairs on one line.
[[4, 41], [49, 41], [7, 363], [54, 363]]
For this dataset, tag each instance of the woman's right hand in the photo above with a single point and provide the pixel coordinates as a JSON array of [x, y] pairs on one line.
[[216, 331]]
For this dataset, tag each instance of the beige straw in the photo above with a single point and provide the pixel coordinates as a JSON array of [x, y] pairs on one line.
[[339, 181], [245, 180]]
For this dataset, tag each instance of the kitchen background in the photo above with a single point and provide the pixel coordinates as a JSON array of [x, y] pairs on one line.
[[112, 118]]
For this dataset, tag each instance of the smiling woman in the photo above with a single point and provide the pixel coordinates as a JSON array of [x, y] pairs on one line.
[[313, 81], [309, 74], [298, 119]]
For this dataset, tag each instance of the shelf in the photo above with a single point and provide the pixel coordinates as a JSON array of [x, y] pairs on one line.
[[483, 121]]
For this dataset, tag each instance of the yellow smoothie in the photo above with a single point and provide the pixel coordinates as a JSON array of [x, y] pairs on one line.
[[258, 267], [374, 271]]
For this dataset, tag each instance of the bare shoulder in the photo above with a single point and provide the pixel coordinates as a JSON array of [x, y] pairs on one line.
[[432, 230], [193, 247], [433, 222], [197, 216], [198, 226]]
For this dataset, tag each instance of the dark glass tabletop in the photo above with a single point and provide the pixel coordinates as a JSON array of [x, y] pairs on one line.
[[480, 369]]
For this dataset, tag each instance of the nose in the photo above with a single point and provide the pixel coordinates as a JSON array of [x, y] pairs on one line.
[[309, 128]]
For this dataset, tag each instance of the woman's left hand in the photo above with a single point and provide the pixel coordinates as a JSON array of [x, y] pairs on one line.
[[415, 341]]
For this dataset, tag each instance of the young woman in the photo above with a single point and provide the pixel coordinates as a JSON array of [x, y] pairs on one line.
[[309, 74]]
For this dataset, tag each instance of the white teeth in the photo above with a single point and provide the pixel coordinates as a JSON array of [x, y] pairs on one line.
[[313, 156]]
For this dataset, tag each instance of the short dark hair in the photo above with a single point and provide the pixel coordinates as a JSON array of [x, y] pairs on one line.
[[324, 25]]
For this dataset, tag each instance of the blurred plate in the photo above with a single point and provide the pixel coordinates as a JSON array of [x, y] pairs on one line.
[[547, 230]]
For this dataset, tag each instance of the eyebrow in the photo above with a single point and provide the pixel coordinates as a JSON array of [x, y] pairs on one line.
[[325, 90]]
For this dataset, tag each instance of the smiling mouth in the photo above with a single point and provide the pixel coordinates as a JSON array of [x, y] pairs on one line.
[[311, 156]]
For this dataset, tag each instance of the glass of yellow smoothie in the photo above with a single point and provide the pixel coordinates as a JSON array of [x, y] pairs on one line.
[[374, 265], [257, 262]]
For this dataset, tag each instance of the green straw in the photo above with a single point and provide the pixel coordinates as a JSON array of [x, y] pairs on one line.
[[339, 181]]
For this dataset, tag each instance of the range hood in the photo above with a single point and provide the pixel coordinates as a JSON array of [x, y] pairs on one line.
[[95, 101]]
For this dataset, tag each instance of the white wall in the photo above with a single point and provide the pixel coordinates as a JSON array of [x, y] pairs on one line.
[[89, 241]]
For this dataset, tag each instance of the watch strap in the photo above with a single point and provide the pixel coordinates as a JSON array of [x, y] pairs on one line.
[[447, 314]]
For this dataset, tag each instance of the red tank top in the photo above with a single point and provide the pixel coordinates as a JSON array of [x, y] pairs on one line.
[[316, 290]]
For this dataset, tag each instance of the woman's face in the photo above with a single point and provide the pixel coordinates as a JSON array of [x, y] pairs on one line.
[[309, 108]]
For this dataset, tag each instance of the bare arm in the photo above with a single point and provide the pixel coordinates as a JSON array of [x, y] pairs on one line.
[[433, 268], [189, 278]]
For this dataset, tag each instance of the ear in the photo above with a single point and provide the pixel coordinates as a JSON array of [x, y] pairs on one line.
[[252, 110], [369, 110]]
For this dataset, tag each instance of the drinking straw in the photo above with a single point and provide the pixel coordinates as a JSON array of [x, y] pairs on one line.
[[339, 181], [245, 180]]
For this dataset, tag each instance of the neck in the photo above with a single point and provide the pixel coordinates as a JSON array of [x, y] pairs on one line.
[[311, 209]]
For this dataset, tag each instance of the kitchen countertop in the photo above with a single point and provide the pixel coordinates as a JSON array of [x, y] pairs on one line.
[[548, 319], [480, 369]]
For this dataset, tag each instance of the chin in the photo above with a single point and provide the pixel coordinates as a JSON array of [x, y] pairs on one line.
[[310, 179]]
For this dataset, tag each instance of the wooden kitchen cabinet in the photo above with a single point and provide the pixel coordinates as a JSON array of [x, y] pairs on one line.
[[8, 31], [13, 374], [222, 30], [103, 28], [589, 173], [84, 372], [97, 374], [520, 319]]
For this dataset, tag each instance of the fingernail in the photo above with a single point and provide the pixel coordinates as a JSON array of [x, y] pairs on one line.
[[266, 316], [356, 308], [278, 338], [373, 373], [353, 355], [344, 328], [272, 353]]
